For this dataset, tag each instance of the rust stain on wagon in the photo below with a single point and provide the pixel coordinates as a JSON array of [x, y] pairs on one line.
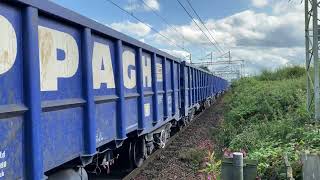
[[46, 45], [4, 60]]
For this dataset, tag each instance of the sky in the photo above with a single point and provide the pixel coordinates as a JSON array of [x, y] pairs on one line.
[[267, 34]]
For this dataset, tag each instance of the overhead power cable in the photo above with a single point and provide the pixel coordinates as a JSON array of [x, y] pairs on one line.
[[204, 25], [169, 25], [191, 17], [162, 18], [155, 30]]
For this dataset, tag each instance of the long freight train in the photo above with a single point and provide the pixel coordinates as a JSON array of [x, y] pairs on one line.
[[75, 93]]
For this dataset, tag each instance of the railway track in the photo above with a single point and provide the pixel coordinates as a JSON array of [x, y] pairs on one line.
[[135, 172], [154, 155]]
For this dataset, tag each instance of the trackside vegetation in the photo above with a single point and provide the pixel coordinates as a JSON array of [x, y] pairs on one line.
[[266, 117]]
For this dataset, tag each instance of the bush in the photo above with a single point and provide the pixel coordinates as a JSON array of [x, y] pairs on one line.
[[282, 74], [266, 116]]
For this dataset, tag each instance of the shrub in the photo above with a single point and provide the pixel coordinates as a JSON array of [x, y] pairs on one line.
[[267, 117], [282, 74]]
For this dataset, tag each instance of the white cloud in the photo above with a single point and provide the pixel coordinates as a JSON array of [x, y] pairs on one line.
[[132, 7], [142, 40], [259, 3], [249, 28], [258, 59], [147, 5], [136, 29], [154, 4], [264, 40], [182, 35], [184, 55]]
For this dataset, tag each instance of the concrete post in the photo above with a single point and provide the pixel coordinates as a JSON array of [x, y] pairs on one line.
[[238, 166], [316, 59]]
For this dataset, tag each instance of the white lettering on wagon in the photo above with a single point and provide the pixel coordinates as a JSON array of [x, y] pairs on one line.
[[8, 45], [2, 154], [159, 72], [129, 74], [3, 164], [99, 137], [146, 67], [147, 110], [160, 99], [53, 67], [102, 69]]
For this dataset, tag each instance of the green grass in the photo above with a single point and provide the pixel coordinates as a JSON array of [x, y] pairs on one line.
[[266, 116]]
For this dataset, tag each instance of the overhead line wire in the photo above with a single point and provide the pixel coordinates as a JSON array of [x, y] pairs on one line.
[[188, 1], [163, 19], [191, 17], [138, 19], [167, 22]]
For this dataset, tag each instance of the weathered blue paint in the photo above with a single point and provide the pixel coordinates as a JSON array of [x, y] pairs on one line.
[[184, 88], [106, 122], [148, 118], [198, 81], [207, 85], [32, 126], [204, 86], [105, 98], [173, 88], [121, 121], [194, 78], [198, 86], [160, 87], [89, 118], [176, 89], [201, 86], [61, 128], [36, 125], [154, 88], [131, 114], [141, 101], [189, 75], [12, 102], [194, 86], [165, 87]]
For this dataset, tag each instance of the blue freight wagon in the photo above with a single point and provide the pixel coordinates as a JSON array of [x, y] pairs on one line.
[[73, 92]]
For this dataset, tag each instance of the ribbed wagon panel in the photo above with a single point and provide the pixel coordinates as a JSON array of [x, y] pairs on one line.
[[69, 86]]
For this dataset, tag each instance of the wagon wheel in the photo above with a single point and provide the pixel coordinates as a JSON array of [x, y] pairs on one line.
[[164, 137], [181, 124], [138, 152]]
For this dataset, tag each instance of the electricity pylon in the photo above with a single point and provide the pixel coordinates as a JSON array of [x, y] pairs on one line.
[[231, 64], [312, 54]]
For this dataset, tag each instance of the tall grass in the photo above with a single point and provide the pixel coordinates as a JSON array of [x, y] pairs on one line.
[[282, 74], [266, 116]]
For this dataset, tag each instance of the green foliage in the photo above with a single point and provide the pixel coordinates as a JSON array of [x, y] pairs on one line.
[[266, 116], [281, 74], [212, 166]]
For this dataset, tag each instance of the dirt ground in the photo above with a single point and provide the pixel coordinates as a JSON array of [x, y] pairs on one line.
[[169, 164]]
